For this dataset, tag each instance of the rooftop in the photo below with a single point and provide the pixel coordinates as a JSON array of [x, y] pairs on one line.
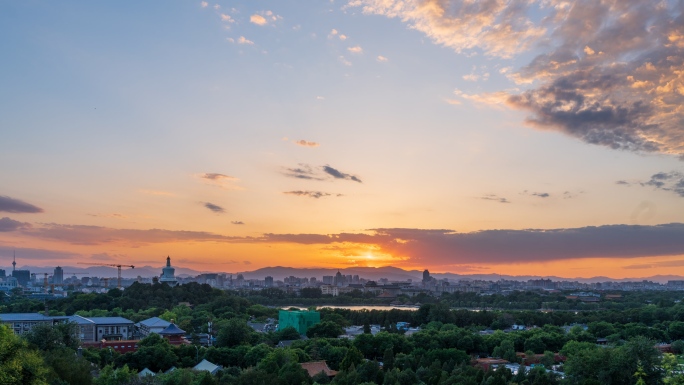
[[14, 317], [315, 367]]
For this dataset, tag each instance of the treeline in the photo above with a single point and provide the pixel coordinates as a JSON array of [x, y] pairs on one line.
[[442, 352]]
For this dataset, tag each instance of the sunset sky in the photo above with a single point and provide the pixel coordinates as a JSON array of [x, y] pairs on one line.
[[514, 137]]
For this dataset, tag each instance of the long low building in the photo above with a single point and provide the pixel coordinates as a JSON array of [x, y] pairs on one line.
[[22, 323], [91, 329]]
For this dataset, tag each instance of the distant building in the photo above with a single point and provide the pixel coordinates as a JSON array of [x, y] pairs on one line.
[[2, 273], [300, 320], [426, 276], [168, 274], [23, 276], [8, 283], [94, 329], [339, 279], [327, 279], [268, 281], [315, 367], [207, 367], [58, 276], [151, 325], [21, 323], [330, 290], [175, 335]]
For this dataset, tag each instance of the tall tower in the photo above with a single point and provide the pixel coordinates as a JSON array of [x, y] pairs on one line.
[[14, 260], [58, 276], [168, 274]]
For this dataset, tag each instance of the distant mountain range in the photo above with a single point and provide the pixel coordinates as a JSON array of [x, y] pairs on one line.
[[373, 273]]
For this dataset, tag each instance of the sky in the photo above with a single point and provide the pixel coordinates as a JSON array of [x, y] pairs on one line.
[[514, 137]]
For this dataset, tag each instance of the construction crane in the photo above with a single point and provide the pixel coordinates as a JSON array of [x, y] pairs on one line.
[[45, 281], [118, 286]]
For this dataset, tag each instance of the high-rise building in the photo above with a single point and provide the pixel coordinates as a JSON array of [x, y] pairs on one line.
[[426, 276], [339, 279], [327, 279], [268, 281], [58, 276], [2, 273], [23, 276]]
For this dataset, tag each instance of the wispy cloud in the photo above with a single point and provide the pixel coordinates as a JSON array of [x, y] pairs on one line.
[[258, 20], [217, 177], [494, 197], [13, 205], [112, 215], [240, 40], [537, 194], [308, 194], [305, 143], [238, 222], [157, 192], [264, 18], [304, 171], [204, 4], [227, 18], [667, 181], [25, 253], [355, 49], [382, 59], [7, 225], [336, 34], [344, 61], [340, 175], [220, 180], [215, 208], [98, 235]]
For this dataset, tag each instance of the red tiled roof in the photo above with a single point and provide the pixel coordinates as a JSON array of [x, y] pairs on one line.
[[315, 367]]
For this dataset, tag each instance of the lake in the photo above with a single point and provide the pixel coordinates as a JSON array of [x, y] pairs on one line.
[[358, 307]]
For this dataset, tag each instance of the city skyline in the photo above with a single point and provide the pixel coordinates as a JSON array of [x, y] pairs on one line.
[[519, 138]]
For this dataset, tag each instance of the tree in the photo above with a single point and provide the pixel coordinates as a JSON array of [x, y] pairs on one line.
[[234, 332], [120, 376], [47, 337], [353, 357], [289, 333], [388, 359], [67, 367], [18, 363], [325, 329]]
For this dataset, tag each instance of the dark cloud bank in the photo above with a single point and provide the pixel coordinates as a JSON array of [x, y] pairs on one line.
[[12, 205], [418, 245], [608, 72]]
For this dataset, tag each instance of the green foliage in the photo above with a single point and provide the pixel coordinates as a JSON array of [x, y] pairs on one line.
[[325, 329], [67, 367], [18, 363], [111, 376], [235, 332]]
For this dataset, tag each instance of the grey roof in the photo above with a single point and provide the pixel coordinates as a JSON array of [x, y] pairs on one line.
[[16, 317], [155, 322], [110, 320], [146, 372], [207, 366], [99, 320]]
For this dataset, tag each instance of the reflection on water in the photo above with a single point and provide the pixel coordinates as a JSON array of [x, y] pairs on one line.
[[358, 307]]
